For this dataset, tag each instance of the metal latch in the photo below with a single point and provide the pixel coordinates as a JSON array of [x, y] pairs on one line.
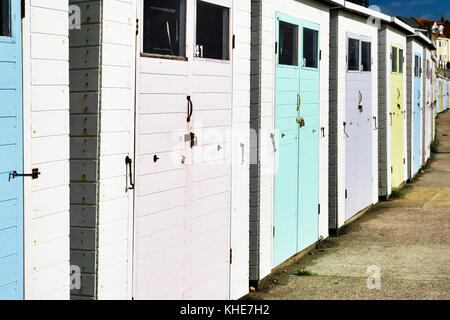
[[34, 174], [192, 138]]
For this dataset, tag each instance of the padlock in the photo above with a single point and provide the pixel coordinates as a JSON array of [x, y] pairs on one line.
[[301, 122]]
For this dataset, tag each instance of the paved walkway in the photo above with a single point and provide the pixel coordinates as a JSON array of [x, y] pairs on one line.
[[407, 239]]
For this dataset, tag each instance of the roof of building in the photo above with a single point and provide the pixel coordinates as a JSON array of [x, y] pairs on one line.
[[427, 24]]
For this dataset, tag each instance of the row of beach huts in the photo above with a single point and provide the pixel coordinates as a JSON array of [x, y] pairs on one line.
[[182, 149]]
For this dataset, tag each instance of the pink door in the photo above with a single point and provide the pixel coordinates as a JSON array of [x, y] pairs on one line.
[[183, 147]]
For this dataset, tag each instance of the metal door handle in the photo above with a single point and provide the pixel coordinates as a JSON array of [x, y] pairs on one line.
[[272, 137], [243, 153], [33, 175], [299, 101], [190, 109], [375, 123], [129, 164], [345, 126]]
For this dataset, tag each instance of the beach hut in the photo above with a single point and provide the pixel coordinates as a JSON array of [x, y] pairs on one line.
[[416, 95], [353, 158], [392, 135], [160, 157], [34, 147], [289, 118], [428, 103], [192, 150]]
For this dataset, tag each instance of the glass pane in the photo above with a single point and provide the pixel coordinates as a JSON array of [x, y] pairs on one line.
[[5, 18], [394, 59], [310, 48], [288, 44], [353, 54], [400, 61], [164, 27], [366, 56], [416, 66], [213, 32]]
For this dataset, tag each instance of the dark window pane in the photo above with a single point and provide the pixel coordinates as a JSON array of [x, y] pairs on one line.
[[353, 54], [394, 59], [400, 61], [416, 66], [310, 48], [5, 20], [366, 56], [164, 27], [288, 44], [212, 31]]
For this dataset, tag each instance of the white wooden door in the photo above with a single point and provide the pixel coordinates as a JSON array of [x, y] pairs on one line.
[[183, 170]]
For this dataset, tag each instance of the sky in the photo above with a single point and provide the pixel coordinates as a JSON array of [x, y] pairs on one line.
[[427, 9]]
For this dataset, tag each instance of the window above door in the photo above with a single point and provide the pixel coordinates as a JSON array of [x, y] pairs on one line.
[[164, 27], [359, 55], [288, 44], [5, 18], [310, 48], [212, 31]]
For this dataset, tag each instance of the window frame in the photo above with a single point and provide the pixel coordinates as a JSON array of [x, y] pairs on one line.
[[298, 28], [11, 38], [393, 47], [360, 39], [194, 45], [301, 43], [155, 55]]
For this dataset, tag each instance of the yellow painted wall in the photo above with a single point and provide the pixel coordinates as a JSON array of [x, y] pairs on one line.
[[398, 113]]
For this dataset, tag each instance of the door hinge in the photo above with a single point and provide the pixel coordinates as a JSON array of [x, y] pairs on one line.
[[392, 169], [233, 41], [231, 256], [276, 47], [404, 161], [319, 208], [274, 232], [137, 26], [320, 55], [346, 193]]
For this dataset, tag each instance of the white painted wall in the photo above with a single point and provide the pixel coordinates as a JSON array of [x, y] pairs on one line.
[[318, 13], [349, 22], [239, 276], [46, 146], [117, 97]]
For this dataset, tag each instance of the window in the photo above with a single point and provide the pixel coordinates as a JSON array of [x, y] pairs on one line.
[[394, 59], [212, 31], [5, 19], [310, 48], [400, 60], [165, 27], [353, 54], [366, 56], [288, 54]]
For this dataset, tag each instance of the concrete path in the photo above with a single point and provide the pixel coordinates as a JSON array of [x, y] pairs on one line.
[[407, 240]]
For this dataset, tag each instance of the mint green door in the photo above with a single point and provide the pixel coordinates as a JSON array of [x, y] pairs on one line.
[[296, 194]]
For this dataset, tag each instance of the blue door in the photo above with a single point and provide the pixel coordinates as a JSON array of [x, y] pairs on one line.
[[417, 106], [296, 192], [11, 190]]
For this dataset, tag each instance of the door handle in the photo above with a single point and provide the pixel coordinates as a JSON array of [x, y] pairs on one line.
[[243, 153], [190, 109], [345, 126], [299, 101], [33, 175], [129, 165], [272, 137], [360, 107], [375, 123]]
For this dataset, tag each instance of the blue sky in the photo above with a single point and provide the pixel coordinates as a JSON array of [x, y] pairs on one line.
[[427, 9]]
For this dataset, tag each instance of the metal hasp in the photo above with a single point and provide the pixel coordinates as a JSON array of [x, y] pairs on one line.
[[34, 175], [129, 164]]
